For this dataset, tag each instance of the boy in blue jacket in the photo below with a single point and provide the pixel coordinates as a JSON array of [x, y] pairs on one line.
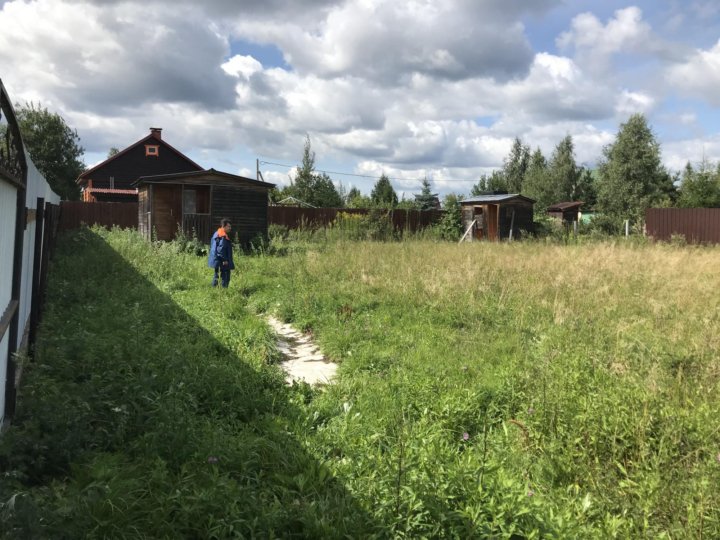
[[220, 256]]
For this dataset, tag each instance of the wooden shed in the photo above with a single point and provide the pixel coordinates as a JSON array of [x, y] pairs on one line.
[[497, 216], [567, 212], [196, 201]]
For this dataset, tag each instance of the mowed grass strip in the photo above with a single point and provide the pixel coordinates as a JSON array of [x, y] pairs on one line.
[[152, 410], [513, 389]]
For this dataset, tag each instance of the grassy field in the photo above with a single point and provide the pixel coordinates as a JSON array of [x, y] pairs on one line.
[[489, 390]]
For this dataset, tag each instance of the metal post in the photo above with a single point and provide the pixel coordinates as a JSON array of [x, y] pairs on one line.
[[14, 331], [37, 266], [627, 228]]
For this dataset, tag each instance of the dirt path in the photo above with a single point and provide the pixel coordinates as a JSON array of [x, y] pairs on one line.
[[303, 359]]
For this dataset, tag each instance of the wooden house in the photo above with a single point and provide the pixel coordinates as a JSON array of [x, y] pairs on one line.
[[497, 216], [114, 179], [566, 212], [196, 201]]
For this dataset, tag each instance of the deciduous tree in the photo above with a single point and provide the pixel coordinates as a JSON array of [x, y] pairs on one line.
[[632, 177], [54, 148]]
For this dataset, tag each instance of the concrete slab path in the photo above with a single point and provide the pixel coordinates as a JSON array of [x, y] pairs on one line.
[[303, 359]]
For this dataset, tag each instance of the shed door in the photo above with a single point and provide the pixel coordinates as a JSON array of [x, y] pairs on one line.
[[491, 220], [167, 210]]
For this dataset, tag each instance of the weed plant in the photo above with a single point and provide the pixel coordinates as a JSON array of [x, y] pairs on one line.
[[518, 390], [524, 390], [154, 409]]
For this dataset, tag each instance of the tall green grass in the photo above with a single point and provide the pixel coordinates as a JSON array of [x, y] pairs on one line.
[[514, 389], [486, 390], [153, 409]]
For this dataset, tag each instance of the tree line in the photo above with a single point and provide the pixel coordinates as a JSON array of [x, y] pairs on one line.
[[628, 178]]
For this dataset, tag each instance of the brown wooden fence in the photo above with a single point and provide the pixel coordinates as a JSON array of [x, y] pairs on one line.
[[107, 214], [75, 213], [697, 225], [294, 217]]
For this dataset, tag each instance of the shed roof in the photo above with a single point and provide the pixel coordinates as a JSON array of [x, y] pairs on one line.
[[174, 177], [559, 207], [494, 199]]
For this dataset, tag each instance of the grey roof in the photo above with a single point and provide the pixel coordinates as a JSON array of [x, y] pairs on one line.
[[171, 176], [496, 198]]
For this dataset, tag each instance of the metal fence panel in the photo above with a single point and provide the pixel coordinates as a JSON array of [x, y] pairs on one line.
[[696, 225]]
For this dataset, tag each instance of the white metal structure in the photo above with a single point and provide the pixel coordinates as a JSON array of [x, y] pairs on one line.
[[21, 188]]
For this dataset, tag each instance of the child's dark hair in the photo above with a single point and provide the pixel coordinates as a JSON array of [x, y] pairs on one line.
[[225, 221]]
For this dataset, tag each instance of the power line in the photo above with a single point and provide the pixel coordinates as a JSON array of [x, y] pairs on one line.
[[341, 173]]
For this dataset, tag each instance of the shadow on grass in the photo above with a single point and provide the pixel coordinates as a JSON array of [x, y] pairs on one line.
[[136, 421]]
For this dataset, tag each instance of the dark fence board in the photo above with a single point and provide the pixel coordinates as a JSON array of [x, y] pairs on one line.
[[295, 217], [106, 214], [697, 225]]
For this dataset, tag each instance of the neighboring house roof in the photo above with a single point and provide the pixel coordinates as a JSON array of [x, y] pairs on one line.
[[152, 138], [293, 199], [494, 199], [169, 178], [559, 207], [113, 191]]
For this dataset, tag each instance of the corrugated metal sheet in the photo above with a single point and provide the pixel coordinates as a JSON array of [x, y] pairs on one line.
[[697, 225]]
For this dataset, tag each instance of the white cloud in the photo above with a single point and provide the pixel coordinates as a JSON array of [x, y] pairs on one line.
[[699, 75], [411, 88], [596, 45], [633, 102], [386, 42], [86, 58]]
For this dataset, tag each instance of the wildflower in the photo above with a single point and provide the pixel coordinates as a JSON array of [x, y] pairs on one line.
[[213, 459], [466, 436], [464, 368], [530, 493], [531, 410], [116, 409]]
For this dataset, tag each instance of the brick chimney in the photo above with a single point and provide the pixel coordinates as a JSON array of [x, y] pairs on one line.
[[156, 132]]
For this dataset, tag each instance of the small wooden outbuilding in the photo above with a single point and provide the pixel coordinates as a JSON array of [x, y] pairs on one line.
[[497, 216], [567, 212], [196, 201]]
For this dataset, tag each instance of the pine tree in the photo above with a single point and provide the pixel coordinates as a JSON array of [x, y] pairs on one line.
[[700, 188], [309, 187], [538, 183], [427, 200], [516, 165], [383, 195], [564, 173], [632, 177]]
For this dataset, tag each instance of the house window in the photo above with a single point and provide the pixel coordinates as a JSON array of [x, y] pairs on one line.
[[196, 200], [189, 201], [152, 150], [112, 182]]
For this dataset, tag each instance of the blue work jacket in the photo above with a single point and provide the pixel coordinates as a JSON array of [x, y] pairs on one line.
[[220, 251]]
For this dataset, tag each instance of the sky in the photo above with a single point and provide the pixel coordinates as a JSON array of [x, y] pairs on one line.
[[408, 88]]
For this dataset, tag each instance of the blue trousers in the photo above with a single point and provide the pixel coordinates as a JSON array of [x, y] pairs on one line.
[[224, 272]]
